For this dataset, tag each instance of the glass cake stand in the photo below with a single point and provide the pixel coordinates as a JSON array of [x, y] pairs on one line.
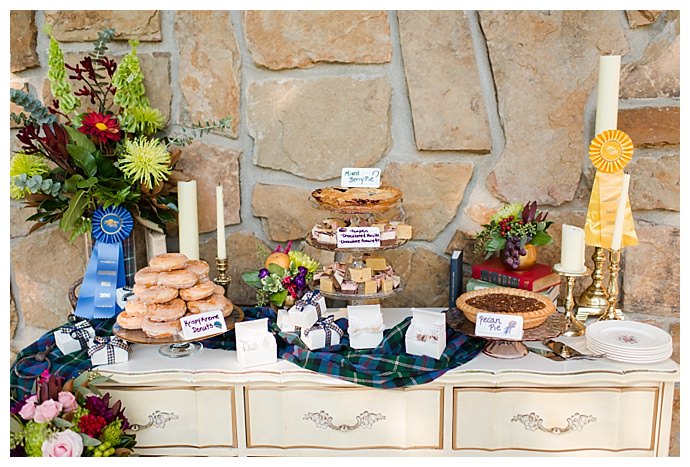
[[176, 346], [553, 327]]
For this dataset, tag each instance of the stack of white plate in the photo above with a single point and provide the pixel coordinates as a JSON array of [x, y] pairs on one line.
[[629, 341]]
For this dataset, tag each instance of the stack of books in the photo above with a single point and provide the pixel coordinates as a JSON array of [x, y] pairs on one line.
[[540, 278]]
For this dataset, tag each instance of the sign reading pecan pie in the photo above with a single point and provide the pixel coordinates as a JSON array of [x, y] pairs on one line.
[[357, 199], [533, 307]]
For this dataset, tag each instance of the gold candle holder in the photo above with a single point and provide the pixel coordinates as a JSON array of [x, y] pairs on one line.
[[611, 311], [221, 268], [575, 327], [594, 300]]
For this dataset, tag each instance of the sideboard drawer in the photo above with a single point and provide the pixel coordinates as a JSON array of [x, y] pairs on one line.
[[189, 417], [344, 418], [555, 420]]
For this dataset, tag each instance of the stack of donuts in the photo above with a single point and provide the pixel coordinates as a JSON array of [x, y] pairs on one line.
[[170, 287]]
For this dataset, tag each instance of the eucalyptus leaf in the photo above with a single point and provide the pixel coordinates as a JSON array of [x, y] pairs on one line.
[[80, 138], [15, 426], [275, 269], [81, 379], [252, 278], [495, 244], [541, 225], [89, 441], [61, 423]]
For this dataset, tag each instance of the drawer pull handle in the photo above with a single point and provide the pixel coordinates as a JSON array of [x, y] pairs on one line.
[[323, 420], [157, 419], [534, 422]]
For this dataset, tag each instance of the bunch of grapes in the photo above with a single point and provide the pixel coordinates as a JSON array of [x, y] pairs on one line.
[[513, 250]]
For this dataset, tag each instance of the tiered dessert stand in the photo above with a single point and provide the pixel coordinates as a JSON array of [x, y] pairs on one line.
[[356, 255]]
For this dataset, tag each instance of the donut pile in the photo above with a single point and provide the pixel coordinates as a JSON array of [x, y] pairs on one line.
[[170, 287]]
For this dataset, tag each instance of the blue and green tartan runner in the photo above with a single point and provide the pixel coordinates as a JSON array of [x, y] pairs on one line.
[[386, 366]]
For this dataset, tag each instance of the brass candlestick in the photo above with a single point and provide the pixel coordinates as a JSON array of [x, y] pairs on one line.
[[575, 327], [221, 268], [614, 266], [594, 300]]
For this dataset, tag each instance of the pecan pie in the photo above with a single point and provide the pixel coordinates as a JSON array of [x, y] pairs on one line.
[[533, 307], [357, 199]]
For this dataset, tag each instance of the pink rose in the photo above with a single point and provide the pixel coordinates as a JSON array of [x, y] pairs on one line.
[[29, 408], [69, 403], [47, 411], [64, 444]]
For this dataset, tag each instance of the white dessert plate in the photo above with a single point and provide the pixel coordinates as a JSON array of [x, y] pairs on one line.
[[628, 336], [631, 355], [630, 351], [632, 358]]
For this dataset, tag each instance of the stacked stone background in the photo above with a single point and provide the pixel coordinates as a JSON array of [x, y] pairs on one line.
[[462, 110]]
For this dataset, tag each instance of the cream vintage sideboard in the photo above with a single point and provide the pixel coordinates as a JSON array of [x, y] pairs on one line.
[[207, 405]]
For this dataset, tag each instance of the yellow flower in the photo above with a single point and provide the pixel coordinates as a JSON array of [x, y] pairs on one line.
[[146, 161], [28, 164]]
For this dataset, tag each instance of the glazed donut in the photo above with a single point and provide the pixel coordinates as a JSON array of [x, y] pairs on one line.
[[219, 289], [168, 262], [198, 267], [158, 330], [173, 310], [156, 294], [128, 320], [214, 302], [135, 307], [179, 279], [200, 291], [146, 277], [228, 309]]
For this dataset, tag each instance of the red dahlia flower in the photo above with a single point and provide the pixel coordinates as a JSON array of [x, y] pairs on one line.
[[91, 425], [100, 126]]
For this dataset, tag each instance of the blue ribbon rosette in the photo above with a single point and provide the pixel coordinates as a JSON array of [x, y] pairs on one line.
[[105, 272]]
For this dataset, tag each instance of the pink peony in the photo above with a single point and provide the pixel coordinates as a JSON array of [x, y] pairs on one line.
[[29, 409], [64, 444], [47, 411], [69, 403]]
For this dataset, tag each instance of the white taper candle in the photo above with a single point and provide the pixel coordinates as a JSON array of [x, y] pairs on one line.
[[572, 248], [620, 213], [188, 219], [607, 93], [220, 223]]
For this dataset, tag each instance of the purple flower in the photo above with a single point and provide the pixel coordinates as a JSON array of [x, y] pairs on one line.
[[263, 272], [299, 282], [302, 271]]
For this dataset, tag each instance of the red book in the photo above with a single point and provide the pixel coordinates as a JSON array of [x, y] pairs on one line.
[[536, 279]]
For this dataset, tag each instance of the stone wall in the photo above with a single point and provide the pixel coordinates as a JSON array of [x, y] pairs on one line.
[[461, 110]]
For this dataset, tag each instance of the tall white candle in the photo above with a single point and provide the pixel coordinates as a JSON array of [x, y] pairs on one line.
[[572, 248], [607, 93], [188, 219], [620, 213], [220, 223]]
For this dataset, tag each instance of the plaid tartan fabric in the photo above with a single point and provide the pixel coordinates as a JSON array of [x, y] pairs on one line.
[[387, 366]]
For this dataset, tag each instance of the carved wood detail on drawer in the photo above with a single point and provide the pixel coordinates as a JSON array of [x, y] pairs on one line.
[[343, 418], [555, 419], [179, 417]]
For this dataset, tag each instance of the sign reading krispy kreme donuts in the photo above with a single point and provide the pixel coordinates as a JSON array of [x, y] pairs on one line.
[[205, 324]]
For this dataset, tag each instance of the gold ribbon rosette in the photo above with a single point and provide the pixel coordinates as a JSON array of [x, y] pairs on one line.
[[610, 151]]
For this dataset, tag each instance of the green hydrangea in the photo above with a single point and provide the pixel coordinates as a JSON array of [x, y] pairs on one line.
[[273, 283], [508, 210], [34, 435], [112, 432], [59, 85]]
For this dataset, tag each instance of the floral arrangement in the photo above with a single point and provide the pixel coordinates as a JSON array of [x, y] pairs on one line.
[[70, 419], [511, 228], [284, 277], [98, 145]]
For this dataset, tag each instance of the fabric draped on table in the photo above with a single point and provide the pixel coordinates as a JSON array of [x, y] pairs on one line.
[[386, 366]]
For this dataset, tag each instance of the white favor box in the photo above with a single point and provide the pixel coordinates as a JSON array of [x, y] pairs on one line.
[[114, 351], [316, 339], [67, 344], [284, 322], [255, 345], [426, 334], [365, 326], [307, 315]]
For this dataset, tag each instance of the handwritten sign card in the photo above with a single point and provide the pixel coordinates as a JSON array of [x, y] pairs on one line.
[[502, 326], [370, 177], [358, 237], [203, 324]]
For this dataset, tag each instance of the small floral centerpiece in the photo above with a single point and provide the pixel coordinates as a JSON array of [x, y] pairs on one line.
[[284, 277], [97, 144], [70, 419], [513, 230]]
